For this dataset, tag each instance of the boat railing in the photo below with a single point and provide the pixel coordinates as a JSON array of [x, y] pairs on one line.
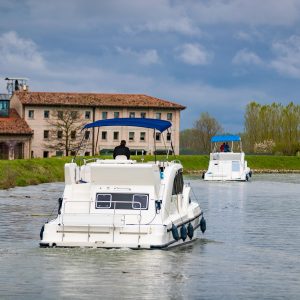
[[70, 215], [109, 223]]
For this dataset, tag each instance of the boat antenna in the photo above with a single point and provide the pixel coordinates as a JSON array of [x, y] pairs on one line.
[[79, 147], [172, 144], [154, 137], [96, 147]]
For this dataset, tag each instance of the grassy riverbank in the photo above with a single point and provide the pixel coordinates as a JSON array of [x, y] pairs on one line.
[[34, 171]]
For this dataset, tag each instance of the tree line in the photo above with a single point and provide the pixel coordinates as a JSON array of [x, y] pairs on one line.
[[272, 128], [268, 129]]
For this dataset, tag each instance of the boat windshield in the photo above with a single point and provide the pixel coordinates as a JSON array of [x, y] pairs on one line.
[[226, 143]]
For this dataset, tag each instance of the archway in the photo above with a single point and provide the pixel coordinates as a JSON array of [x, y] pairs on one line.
[[19, 151], [4, 150]]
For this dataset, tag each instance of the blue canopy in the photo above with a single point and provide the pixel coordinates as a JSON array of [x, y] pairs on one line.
[[225, 138], [160, 125]]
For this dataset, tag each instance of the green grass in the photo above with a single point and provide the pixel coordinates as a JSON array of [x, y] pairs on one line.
[[22, 172]]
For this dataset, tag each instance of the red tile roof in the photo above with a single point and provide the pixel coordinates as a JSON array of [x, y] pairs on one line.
[[14, 124], [89, 99]]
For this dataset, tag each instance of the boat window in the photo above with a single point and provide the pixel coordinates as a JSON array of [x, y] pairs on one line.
[[122, 201], [103, 201], [178, 183], [140, 201]]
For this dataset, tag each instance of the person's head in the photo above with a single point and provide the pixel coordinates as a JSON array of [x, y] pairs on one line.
[[123, 143]]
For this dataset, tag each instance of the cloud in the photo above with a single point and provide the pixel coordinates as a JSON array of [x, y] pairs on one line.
[[254, 12], [287, 61], [181, 25], [147, 57], [193, 54], [19, 54], [245, 56]]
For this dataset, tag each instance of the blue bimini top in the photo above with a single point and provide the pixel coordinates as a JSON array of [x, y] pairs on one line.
[[225, 138], [160, 125]]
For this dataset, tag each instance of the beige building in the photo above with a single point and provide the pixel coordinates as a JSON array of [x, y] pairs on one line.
[[39, 109]]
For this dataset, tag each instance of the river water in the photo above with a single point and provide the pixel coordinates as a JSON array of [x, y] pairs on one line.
[[251, 249]]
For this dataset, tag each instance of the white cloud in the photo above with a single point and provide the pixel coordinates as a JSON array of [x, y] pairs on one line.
[[181, 25], [287, 61], [245, 56], [147, 57], [194, 54], [19, 54]]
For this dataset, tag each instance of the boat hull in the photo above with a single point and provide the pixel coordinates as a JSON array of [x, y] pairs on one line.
[[130, 236]]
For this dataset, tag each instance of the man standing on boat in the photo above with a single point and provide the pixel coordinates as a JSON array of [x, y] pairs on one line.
[[122, 150]]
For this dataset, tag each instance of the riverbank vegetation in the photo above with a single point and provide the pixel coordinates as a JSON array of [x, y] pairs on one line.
[[268, 129], [22, 172]]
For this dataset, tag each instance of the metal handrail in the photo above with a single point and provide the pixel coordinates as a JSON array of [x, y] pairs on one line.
[[113, 221]]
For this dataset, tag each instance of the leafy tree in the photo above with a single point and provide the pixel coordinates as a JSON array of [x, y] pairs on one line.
[[277, 123]]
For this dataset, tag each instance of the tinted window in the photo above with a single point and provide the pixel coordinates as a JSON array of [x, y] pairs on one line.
[[178, 183], [122, 201], [103, 201], [140, 201]]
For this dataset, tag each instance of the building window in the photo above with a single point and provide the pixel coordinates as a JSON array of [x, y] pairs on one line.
[[31, 114], [73, 135], [157, 136], [59, 134], [142, 136], [59, 153], [132, 114], [143, 115], [131, 136], [104, 135], [87, 135], [87, 153], [73, 153], [46, 114], [157, 115], [87, 115], [46, 134], [104, 115], [169, 116], [116, 135], [116, 114], [169, 136], [46, 154], [74, 115], [60, 114]]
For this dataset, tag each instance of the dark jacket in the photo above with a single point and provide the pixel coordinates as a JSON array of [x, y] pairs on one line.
[[121, 150]]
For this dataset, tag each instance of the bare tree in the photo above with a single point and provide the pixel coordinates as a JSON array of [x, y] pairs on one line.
[[64, 132], [206, 127], [188, 141]]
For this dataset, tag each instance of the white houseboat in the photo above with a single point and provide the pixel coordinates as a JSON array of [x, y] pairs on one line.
[[227, 160], [120, 203]]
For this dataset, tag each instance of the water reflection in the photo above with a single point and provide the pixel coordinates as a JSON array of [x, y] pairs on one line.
[[249, 251]]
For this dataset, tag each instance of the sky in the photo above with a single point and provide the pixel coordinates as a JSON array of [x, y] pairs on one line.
[[211, 56]]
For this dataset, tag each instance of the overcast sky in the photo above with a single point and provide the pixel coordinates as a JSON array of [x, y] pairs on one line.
[[211, 56]]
